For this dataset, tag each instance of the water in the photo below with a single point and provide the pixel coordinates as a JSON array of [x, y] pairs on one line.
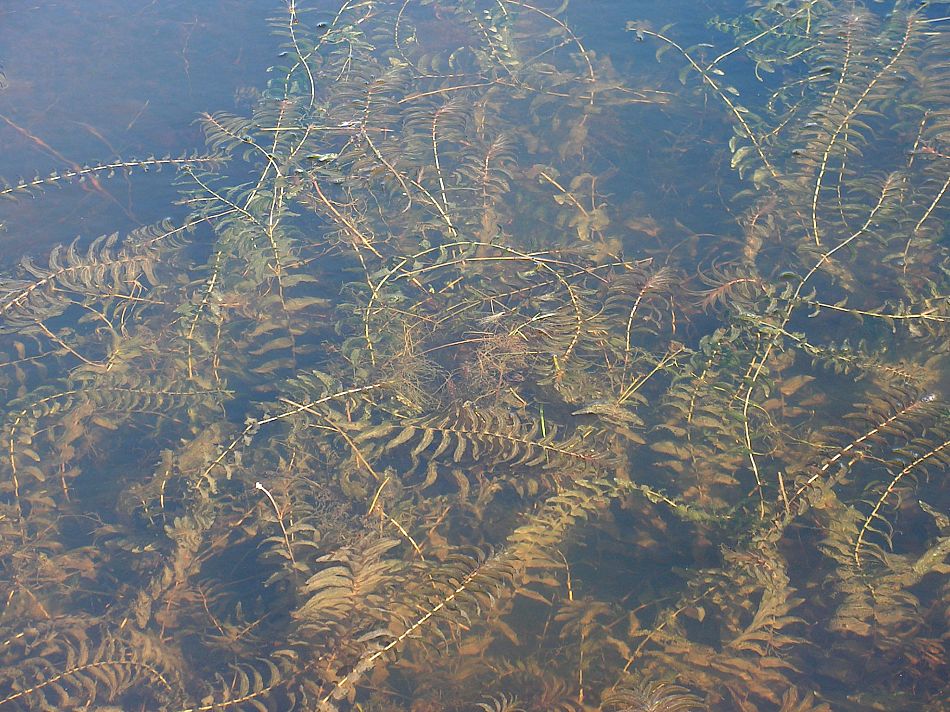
[[474, 356], [95, 81]]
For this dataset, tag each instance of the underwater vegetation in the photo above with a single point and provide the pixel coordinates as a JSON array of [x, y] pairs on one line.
[[421, 408]]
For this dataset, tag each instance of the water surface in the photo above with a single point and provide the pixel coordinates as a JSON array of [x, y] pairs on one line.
[[474, 355]]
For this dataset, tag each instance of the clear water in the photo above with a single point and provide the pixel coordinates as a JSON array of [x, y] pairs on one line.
[[516, 356]]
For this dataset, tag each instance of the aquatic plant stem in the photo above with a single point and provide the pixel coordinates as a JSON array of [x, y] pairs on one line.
[[280, 519]]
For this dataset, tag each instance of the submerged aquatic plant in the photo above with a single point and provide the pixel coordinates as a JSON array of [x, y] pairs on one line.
[[440, 416]]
